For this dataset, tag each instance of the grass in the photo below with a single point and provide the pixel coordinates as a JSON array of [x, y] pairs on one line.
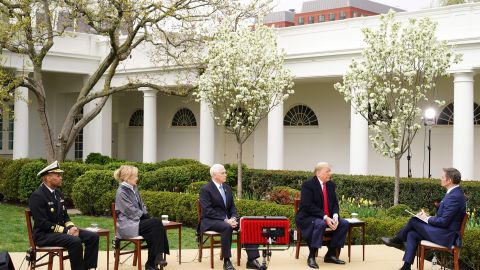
[[14, 237]]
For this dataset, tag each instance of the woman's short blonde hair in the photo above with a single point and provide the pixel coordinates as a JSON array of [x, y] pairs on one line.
[[125, 172], [321, 165]]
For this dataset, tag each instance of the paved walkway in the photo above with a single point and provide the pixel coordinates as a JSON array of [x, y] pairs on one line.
[[376, 257]]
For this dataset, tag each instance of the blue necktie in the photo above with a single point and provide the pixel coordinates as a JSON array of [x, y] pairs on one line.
[[222, 192]]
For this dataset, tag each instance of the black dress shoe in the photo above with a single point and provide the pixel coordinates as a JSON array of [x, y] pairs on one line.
[[333, 259], [312, 263], [150, 267], [253, 264], [160, 261], [227, 265], [393, 242]]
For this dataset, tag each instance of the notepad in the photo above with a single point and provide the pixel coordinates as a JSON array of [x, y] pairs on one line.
[[415, 215]]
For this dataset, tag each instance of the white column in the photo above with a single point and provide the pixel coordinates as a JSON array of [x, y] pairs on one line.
[[149, 125], [97, 134], [207, 135], [20, 126], [358, 143], [275, 138], [463, 146]]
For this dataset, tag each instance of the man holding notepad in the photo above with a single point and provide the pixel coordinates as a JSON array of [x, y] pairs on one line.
[[442, 229]]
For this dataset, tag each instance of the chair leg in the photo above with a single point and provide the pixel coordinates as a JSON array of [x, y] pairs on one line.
[[211, 252], [456, 264], [297, 249], [422, 257], [200, 249], [135, 255], [239, 250], [117, 256], [50, 260], [60, 257], [139, 255]]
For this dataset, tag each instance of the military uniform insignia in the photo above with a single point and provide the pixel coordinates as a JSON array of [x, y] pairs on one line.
[[51, 210], [50, 203]]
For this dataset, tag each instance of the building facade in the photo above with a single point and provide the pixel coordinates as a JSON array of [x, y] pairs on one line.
[[319, 11], [315, 124]]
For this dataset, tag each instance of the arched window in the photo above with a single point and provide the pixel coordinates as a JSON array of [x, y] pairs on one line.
[[446, 115], [184, 118], [136, 120], [300, 115]]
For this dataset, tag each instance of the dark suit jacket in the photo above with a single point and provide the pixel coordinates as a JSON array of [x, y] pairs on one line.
[[49, 214], [444, 227], [213, 208], [311, 205]]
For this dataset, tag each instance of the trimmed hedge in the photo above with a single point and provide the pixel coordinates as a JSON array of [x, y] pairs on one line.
[[10, 179], [73, 170], [415, 192], [194, 188], [4, 163], [94, 191], [174, 178], [28, 180]]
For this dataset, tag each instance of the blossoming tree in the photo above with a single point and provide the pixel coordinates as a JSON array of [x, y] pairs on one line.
[[244, 80], [388, 86]]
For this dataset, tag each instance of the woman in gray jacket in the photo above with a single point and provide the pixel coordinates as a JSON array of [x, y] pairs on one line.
[[133, 219]]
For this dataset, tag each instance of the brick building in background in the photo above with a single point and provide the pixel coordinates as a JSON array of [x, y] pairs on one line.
[[319, 11]]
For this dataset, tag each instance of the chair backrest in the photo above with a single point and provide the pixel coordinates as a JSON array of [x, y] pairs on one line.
[[28, 217], [199, 211], [114, 216], [464, 223], [296, 204]]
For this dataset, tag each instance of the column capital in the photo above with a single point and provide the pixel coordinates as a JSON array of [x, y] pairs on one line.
[[147, 91]]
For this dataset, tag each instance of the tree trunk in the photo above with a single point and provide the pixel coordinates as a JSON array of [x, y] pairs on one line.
[[43, 114], [396, 194], [239, 171]]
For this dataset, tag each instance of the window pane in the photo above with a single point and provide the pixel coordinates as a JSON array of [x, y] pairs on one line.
[[10, 134], [343, 15], [332, 17], [321, 18], [310, 19], [300, 21]]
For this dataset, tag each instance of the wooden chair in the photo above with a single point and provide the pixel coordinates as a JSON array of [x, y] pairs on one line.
[[426, 245], [214, 241], [118, 248], [50, 251], [327, 236]]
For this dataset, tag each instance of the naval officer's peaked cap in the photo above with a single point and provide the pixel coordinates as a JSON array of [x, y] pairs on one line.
[[52, 168]]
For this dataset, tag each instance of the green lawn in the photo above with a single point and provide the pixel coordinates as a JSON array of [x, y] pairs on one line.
[[14, 237]]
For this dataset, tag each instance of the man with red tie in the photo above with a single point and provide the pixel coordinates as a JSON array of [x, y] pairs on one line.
[[318, 211]]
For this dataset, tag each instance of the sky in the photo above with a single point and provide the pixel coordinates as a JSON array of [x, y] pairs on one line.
[[409, 5]]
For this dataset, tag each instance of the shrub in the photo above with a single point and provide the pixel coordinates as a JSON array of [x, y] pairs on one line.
[[398, 211], [11, 179], [174, 178], [194, 188], [174, 162], [283, 195], [97, 158], [415, 192], [28, 179], [4, 163], [94, 191], [471, 245], [142, 167], [73, 170]]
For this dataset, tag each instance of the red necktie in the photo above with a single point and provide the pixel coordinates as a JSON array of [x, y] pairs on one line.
[[325, 200]]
